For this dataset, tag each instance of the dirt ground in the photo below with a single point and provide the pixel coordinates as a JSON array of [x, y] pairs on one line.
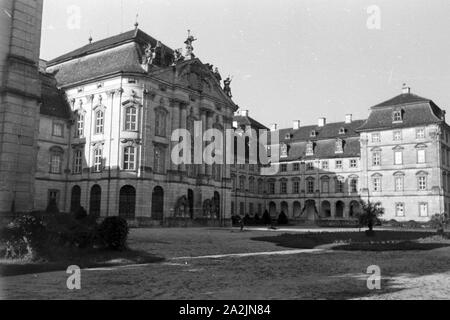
[[310, 275]]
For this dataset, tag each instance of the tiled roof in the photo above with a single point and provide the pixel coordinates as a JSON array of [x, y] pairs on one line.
[[329, 131], [402, 99], [243, 120], [323, 149], [136, 35], [53, 100], [124, 58], [416, 111]]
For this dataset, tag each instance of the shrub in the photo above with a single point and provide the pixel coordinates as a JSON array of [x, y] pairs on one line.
[[235, 219], [23, 237], [52, 207], [282, 218], [248, 220], [267, 219], [66, 230], [370, 213], [113, 232], [439, 222], [80, 213], [257, 219]]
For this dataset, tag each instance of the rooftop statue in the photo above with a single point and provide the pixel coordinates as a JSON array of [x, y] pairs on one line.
[[189, 48], [149, 55], [178, 56], [226, 86], [217, 74]]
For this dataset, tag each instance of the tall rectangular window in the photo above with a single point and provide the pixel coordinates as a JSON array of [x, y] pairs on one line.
[[283, 187], [353, 163], [338, 164], [130, 119], [80, 126], [129, 158], [284, 167], [310, 185], [376, 158], [397, 135], [422, 183], [296, 166], [296, 187], [98, 159], [325, 165], [339, 186], [99, 122], [354, 185], [421, 156], [309, 166], [399, 209], [78, 162], [398, 157], [271, 187], [399, 183], [423, 209], [55, 163], [57, 130], [159, 160], [325, 186], [376, 184]]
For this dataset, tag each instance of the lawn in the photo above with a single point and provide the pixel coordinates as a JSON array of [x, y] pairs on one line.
[[312, 240], [321, 275]]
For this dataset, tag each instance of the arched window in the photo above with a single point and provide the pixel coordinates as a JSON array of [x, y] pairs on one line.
[[127, 202], [160, 123], [77, 162], [129, 158], [99, 121], [130, 119], [75, 199], [56, 155]]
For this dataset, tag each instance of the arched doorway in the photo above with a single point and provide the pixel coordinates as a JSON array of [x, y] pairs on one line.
[[75, 199], [216, 200], [340, 209], [355, 208], [272, 209], [95, 200], [297, 209], [325, 209], [127, 202], [158, 203], [310, 211], [191, 203]]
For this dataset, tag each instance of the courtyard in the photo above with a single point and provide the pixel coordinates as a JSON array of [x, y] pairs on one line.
[[207, 263]]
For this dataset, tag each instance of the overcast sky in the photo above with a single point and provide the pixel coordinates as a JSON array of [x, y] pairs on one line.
[[291, 59]]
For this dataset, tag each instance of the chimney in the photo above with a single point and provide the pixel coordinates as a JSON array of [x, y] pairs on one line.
[[296, 124], [322, 122], [406, 89], [273, 127], [244, 113], [348, 118]]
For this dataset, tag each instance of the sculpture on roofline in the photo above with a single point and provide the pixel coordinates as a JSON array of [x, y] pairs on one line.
[[178, 56], [227, 86], [189, 48], [149, 55], [217, 74]]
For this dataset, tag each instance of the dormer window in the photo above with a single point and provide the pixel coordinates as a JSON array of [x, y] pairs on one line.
[[313, 134], [288, 136], [310, 149], [342, 131], [339, 146], [397, 116]]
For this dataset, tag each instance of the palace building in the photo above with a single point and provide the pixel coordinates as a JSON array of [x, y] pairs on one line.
[[92, 129], [399, 156]]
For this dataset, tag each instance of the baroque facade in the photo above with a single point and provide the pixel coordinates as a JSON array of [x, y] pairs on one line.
[[103, 116], [399, 156], [109, 148]]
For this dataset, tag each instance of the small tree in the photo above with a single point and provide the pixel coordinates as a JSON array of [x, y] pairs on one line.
[[370, 212], [439, 221]]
